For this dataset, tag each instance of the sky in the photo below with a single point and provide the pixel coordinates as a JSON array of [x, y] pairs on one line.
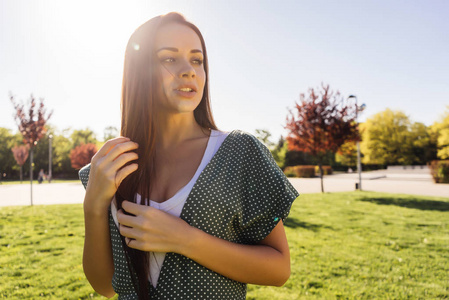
[[262, 56]]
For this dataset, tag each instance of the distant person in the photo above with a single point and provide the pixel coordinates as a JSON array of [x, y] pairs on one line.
[[41, 176], [176, 208]]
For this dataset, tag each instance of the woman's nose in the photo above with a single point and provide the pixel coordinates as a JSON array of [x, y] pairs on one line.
[[187, 70]]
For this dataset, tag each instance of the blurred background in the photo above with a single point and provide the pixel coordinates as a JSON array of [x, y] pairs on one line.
[[391, 55]]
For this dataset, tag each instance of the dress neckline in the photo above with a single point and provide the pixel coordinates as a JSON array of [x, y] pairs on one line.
[[178, 196], [188, 201]]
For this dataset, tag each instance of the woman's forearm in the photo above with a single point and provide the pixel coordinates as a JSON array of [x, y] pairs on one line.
[[256, 264], [97, 256]]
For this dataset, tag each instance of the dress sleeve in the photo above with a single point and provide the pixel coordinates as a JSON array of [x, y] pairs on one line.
[[83, 174], [268, 194]]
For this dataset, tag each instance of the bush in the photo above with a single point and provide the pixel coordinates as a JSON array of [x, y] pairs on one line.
[[82, 155], [327, 170], [300, 171], [440, 170]]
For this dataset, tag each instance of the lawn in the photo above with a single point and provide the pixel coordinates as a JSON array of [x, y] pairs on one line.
[[357, 245]]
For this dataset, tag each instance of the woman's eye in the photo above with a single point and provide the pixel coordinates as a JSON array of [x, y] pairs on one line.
[[198, 61], [168, 59]]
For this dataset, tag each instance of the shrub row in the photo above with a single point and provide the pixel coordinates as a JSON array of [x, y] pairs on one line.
[[306, 171], [440, 170]]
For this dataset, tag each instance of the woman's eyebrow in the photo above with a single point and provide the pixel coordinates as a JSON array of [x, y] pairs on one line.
[[176, 50]]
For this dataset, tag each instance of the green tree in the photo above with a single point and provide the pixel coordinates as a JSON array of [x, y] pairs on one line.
[[279, 152], [424, 146], [83, 136], [110, 132], [8, 164], [61, 155], [387, 139], [347, 154], [440, 130], [264, 135]]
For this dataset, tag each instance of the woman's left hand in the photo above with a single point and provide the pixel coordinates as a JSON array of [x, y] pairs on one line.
[[151, 229]]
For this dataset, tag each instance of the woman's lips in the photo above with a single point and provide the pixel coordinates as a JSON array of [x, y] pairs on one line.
[[185, 94]]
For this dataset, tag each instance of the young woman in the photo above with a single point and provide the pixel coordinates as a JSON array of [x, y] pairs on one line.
[[175, 208]]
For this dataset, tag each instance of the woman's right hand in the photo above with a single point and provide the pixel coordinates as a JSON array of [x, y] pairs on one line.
[[107, 172]]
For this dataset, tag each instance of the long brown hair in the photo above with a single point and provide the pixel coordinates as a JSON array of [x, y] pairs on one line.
[[139, 121]]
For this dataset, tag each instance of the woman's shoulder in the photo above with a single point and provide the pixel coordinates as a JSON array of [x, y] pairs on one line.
[[236, 134], [247, 139], [240, 141]]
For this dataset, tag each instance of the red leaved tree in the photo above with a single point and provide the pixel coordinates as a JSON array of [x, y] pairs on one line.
[[82, 155], [20, 155], [31, 125], [321, 122]]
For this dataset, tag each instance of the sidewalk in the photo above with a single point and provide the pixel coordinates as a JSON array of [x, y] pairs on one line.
[[54, 193], [378, 181], [412, 183]]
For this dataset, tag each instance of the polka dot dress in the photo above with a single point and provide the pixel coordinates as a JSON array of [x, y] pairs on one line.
[[240, 196]]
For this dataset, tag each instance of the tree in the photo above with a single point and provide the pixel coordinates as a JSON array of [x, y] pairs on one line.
[[20, 155], [441, 131], [110, 132], [277, 150], [423, 144], [61, 154], [264, 135], [8, 165], [32, 126], [322, 122], [82, 155], [83, 136], [390, 138], [347, 154], [387, 139]]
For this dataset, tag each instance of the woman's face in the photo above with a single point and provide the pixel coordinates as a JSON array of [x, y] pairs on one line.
[[180, 55]]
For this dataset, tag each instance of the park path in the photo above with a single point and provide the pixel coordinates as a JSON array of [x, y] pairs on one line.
[[378, 181]]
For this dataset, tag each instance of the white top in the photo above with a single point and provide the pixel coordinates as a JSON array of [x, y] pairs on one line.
[[175, 204]]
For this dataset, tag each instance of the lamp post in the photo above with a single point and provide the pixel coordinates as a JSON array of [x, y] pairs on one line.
[[359, 163], [50, 137]]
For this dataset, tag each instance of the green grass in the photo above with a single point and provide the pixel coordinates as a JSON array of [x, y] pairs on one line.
[[357, 245]]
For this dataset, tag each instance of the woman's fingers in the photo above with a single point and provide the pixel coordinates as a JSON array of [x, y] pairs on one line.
[[128, 232], [124, 172], [109, 144], [136, 244], [124, 219], [123, 159], [120, 149], [133, 208]]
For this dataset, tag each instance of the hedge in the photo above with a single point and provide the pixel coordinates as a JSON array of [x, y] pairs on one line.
[[327, 170], [440, 170], [300, 171]]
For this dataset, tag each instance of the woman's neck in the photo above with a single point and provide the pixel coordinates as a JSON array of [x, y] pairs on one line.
[[175, 129]]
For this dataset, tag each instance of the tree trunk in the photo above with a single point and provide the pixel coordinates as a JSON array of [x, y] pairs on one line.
[[21, 174], [31, 176], [321, 176]]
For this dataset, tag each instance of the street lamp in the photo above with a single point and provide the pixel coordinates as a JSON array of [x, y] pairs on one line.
[[359, 164], [50, 137]]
